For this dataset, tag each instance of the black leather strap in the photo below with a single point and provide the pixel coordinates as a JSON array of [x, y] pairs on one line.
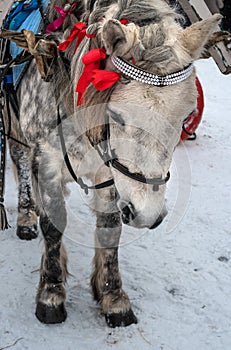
[[78, 180]]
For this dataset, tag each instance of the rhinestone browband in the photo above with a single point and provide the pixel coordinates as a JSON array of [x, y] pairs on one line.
[[138, 74]]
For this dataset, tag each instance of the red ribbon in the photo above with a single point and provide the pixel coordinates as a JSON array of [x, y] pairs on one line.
[[77, 32], [59, 21], [101, 79], [91, 60]]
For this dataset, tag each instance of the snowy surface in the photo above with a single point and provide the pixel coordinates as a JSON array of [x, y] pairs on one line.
[[178, 276]]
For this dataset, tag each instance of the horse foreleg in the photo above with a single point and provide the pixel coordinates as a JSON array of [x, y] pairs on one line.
[[51, 292], [27, 218], [105, 280]]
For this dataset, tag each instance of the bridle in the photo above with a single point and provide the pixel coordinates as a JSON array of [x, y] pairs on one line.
[[104, 148], [110, 159]]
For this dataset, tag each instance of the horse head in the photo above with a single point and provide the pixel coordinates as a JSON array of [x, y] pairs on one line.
[[154, 56]]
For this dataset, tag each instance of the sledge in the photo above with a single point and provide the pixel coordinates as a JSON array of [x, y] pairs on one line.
[[220, 52]]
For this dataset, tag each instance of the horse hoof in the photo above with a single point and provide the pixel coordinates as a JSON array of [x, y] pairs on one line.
[[27, 232], [120, 319], [50, 314]]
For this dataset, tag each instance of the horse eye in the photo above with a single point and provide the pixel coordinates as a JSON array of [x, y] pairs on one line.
[[116, 117]]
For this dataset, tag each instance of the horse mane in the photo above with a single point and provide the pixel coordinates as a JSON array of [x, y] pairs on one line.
[[96, 105], [141, 12], [149, 15], [144, 12], [61, 64]]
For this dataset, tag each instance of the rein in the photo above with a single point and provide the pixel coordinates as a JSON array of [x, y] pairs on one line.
[[78, 180], [3, 218]]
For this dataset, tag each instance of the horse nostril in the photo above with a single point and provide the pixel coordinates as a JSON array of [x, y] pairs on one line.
[[128, 213], [157, 223]]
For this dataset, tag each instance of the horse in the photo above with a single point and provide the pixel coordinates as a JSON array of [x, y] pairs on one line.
[[23, 150], [134, 74]]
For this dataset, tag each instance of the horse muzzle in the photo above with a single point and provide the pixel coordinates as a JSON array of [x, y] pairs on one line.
[[131, 217]]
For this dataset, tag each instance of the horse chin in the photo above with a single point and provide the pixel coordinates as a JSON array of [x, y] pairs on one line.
[[136, 224], [140, 225]]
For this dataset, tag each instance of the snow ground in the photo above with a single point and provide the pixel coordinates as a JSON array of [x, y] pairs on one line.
[[178, 277]]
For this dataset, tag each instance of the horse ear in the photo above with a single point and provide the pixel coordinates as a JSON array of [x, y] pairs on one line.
[[195, 37], [119, 39]]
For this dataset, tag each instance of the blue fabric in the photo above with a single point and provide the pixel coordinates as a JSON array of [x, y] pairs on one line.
[[8, 79], [19, 12], [33, 23]]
